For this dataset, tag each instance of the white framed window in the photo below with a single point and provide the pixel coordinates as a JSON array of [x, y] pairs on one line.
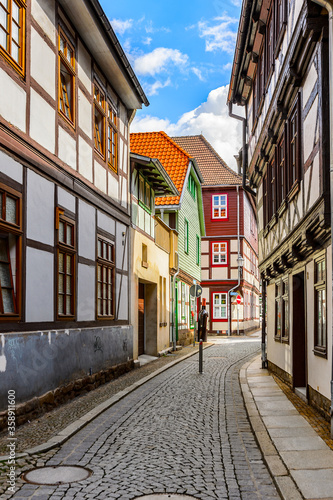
[[220, 305], [219, 253], [220, 206]]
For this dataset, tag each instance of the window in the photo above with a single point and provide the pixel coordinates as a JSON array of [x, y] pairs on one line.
[[192, 186], [12, 32], [112, 139], [66, 266], [281, 174], [320, 307], [186, 235], [280, 18], [183, 304], [192, 311], [220, 253], [220, 305], [10, 252], [198, 250], [105, 278], [265, 200], [66, 77], [145, 194], [282, 310], [272, 188], [99, 120], [220, 206], [144, 260], [269, 45], [294, 145]]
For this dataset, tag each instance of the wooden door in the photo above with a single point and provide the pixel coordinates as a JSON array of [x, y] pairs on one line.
[[141, 333], [299, 331]]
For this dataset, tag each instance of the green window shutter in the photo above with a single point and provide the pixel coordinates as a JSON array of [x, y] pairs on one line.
[[198, 250], [186, 236]]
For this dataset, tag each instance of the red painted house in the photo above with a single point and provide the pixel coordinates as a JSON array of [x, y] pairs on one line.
[[229, 249]]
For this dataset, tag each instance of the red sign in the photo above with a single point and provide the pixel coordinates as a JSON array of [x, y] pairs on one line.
[[239, 299]]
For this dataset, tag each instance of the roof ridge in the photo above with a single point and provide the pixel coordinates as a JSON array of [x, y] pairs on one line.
[[220, 158]]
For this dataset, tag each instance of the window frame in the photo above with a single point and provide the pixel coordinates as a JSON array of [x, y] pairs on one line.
[[142, 194], [191, 186], [100, 109], [220, 206], [71, 251], [15, 229], [109, 265], [186, 236], [294, 141], [198, 249], [282, 306], [226, 253], [320, 285], [220, 318], [19, 66], [112, 128], [70, 67]]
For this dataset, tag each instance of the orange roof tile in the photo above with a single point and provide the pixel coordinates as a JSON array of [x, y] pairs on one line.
[[213, 168], [173, 158]]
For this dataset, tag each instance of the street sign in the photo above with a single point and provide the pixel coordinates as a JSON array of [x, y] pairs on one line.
[[238, 299], [233, 293], [196, 291]]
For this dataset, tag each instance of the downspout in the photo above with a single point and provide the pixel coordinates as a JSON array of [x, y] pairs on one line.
[[238, 261], [173, 305], [263, 324], [328, 5]]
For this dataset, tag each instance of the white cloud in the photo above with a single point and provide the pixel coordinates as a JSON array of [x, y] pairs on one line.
[[147, 40], [227, 67], [153, 89], [198, 73], [151, 29], [158, 60], [211, 119], [121, 26], [219, 36]]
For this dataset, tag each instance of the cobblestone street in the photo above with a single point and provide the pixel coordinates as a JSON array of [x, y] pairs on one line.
[[181, 432]]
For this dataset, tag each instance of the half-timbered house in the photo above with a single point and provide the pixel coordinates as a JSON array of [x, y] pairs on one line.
[[281, 74], [68, 95], [229, 260]]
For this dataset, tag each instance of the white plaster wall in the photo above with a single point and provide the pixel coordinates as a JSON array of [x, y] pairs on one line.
[[66, 200], [204, 274], [13, 102], [219, 273], [204, 246], [87, 231], [105, 222], [42, 122], [310, 130], [312, 182], [233, 246], [100, 176], [39, 285], [67, 148], [204, 260], [233, 260], [122, 296], [86, 292], [121, 259], [43, 63], [124, 192], [113, 187], [43, 11], [309, 83], [40, 209], [123, 156], [11, 168], [85, 159], [85, 114], [84, 67]]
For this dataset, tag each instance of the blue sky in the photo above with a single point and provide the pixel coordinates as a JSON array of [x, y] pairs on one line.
[[181, 52]]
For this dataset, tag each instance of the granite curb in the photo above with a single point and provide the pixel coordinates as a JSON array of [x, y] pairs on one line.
[[278, 470], [76, 426]]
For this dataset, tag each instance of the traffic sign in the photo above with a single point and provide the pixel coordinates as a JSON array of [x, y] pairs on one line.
[[196, 291], [238, 299]]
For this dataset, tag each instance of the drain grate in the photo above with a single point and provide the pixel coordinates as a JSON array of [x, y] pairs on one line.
[[52, 476], [165, 496]]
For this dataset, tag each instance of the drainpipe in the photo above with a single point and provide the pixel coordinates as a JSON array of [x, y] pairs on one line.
[[238, 262], [328, 5], [174, 341], [263, 324]]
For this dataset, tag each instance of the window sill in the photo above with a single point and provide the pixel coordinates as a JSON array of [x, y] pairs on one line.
[[142, 205], [144, 264], [285, 340], [320, 352], [273, 221], [282, 208], [294, 190]]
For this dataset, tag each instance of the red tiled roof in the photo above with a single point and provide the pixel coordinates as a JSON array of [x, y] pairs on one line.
[[213, 168], [173, 158]]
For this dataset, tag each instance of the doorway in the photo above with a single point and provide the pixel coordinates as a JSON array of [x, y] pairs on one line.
[[299, 334], [141, 333]]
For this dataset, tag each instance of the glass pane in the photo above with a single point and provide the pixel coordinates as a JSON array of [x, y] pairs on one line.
[[223, 200], [62, 44], [109, 291], [104, 275], [69, 54], [216, 200], [61, 304], [61, 232], [324, 318], [69, 234], [99, 273], [5, 280], [216, 259], [216, 312], [104, 290], [61, 262], [100, 307], [68, 305], [15, 52], [68, 264], [8, 302], [223, 312], [223, 212], [104, 307], [110, 276], [99, 290], [10, 209], [15, 33], [3, 38], [60, 283], [16, 12], [216, 212], [99, 248], [3, 250], [3, 17], [68, 285], [216, 247]]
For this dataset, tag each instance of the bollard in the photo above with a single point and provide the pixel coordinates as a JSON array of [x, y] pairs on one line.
[[200, 356]]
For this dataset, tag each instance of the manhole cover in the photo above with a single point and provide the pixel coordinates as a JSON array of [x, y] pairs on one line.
[[165, 496], [60, 474]]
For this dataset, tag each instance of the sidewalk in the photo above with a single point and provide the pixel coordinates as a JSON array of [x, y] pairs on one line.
[[298, 459]]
